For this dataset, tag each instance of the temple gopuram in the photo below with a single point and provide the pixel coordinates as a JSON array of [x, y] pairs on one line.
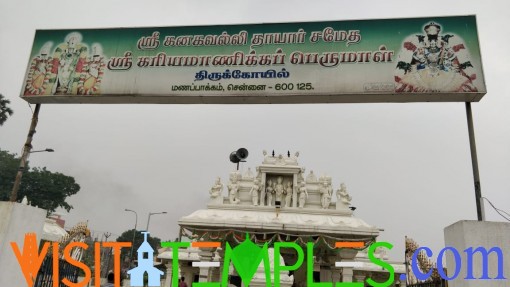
[[279, 202]]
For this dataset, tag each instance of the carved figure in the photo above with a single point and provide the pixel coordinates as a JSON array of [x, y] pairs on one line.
[[233, 191], [39, 72], [90, 81], [269, 192], [280, 160], [279, 189], [342, 195], [326, 199], [311, 177], [248, 174], [262, 194], [288, 194], [326, 191], [216, 189], [303, 195], [255, 192]]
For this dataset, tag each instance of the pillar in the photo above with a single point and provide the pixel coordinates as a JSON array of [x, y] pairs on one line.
[[206, 255], [186, 272], [347, 274], [335, 273], [325, 274], [168, 278], [348, 256], [262, 197], [295, 191], [216, 272]]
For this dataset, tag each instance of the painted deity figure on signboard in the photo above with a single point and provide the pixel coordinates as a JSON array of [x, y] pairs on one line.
[[434, 62], [68, 61], [90, 80], [69, 70], [39, 72]]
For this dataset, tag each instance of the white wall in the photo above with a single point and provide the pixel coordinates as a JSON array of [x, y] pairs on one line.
[[465, 234], [15, 221]]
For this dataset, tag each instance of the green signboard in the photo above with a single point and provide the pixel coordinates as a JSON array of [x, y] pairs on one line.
[[434, 59]]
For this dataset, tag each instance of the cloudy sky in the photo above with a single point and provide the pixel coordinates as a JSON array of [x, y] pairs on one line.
[[407, 166]]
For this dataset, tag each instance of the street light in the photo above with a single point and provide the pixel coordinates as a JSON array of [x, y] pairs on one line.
[[134, 233], [149, 219], [24, 157], [48, 150]]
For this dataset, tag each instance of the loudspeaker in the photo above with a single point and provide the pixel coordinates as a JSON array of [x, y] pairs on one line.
[[239, 155], [234, 158], [242, 153]]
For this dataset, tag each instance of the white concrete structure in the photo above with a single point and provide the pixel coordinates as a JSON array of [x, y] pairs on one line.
[[473, 234], [16, 220], [52, 231], [280, 203]]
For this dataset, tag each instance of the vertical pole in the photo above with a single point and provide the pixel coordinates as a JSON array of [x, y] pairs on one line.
[[26, 152], [133, 241], [109, 254], [148, 220], [474, 160], [406, 262]]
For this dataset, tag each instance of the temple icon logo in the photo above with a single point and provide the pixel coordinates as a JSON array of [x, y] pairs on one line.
[[145, 266]]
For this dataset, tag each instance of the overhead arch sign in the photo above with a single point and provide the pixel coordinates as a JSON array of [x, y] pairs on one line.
[[434, 59]]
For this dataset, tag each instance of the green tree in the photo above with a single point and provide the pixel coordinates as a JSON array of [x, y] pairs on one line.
[[8, 167], [5, 111], [127, 236], [43, 188]]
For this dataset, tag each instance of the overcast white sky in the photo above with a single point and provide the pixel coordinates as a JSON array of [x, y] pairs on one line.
[[407, 166]]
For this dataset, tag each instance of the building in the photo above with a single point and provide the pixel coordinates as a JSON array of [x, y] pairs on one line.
[[279, 202]]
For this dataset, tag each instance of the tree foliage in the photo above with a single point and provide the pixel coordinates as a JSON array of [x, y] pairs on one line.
[[43, 188], [5, 111], [127, 236]]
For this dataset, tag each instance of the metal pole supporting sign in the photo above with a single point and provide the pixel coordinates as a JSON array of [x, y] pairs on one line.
[[474, 160]]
